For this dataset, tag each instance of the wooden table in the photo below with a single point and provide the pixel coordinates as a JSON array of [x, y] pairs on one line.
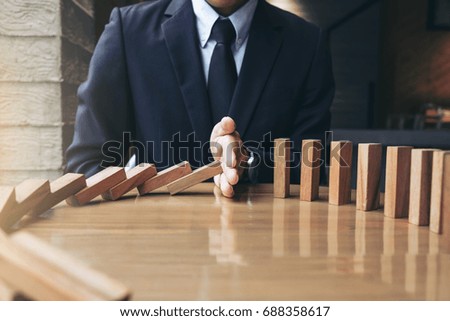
[[201, 246]]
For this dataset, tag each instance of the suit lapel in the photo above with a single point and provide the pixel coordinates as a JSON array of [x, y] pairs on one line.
[[181, 37], [262, 49]]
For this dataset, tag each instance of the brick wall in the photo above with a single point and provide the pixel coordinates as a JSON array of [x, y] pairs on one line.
[[45, 48], [415, 61]]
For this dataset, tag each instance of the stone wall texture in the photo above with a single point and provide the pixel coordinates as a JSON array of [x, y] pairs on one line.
[[45, 48]]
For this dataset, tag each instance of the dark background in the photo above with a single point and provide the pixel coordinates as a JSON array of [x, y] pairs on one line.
[[390, 57]]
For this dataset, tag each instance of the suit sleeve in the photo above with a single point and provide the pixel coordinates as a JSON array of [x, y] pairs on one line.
[[313, 116], [105, 108]]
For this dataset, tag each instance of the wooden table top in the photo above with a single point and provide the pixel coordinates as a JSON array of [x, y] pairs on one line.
[[201, 246]]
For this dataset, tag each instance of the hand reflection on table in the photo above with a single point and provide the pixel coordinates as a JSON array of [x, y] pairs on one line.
[[223, 240]]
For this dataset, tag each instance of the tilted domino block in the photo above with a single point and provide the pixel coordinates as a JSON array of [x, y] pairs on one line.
[[98, 184], [42, 272], [196, 177], [60, 189], [135, 177], [7, 198], [28, 195], [6, 292], [165, 177]]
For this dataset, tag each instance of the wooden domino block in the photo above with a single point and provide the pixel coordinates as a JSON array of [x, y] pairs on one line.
[[196, 177], [445, 219], [281, 177], [135, 177], [60, 189], [340, 172], [28, 195], [398, 171], [42, 272], [420, 186], [438, 191], [369, 175], [310, 170], [98, 184], [7, 198], [165, 177], [6, 293]]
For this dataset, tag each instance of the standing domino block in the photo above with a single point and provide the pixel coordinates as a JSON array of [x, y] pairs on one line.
[[445, 219], [135, 177], [281, 177], [310, 170], [438, 191], [369, 175], [196, 177], [165, 177], [398, 171], [60, 189], [42, 272], [97, 185], [28, 195], [340, 172], [420, 186]]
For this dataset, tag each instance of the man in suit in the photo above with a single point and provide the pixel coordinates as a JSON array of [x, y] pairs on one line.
[[164, 72]]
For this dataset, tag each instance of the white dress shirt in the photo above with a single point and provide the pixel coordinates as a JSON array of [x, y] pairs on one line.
[[241, 20]]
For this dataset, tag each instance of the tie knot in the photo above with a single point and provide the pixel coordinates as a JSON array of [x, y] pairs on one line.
[[223, 32]]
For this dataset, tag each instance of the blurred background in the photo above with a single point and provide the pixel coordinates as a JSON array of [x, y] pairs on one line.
[[391, 62]]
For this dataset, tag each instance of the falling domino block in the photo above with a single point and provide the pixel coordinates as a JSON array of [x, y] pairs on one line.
[[135, 177], [7, 204], [60, 189], [310, 170], [369, 175], [42, 272], [97, 185], [420, 186], [196, 177], [7, 198], [398, 171], [6, 293], [340, 172], [165, 177], [281, 177], [28, 195], [438, 191]]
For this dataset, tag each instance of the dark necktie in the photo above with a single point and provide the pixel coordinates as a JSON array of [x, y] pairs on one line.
[[222, 75]]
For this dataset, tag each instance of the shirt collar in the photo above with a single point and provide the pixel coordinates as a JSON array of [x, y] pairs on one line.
[[207, 16]]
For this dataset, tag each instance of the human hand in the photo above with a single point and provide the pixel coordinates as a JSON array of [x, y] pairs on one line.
[[227, 146]]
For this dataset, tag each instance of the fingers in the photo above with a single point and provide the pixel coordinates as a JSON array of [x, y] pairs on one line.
[[228, 145], [225, 142], [217, 180], [225, 187], [231, 174], [226, 181]]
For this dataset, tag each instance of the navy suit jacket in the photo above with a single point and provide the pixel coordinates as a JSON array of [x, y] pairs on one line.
[[146, 89]]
